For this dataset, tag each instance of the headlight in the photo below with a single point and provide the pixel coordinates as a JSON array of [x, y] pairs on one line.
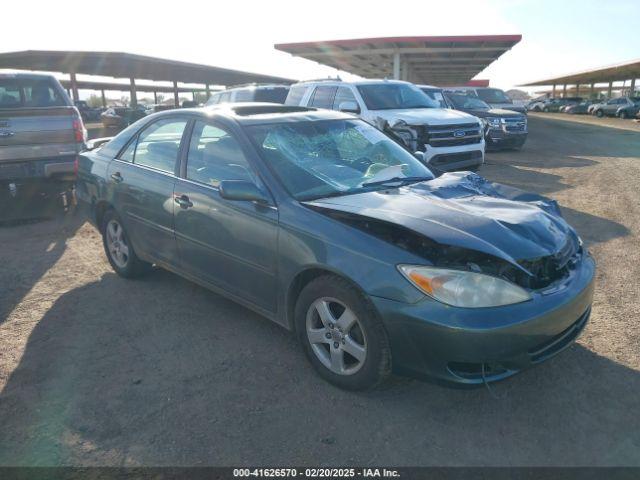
[[493, 122], [463, 289]]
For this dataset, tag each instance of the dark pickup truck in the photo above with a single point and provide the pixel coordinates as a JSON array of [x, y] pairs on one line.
[[41, 134]]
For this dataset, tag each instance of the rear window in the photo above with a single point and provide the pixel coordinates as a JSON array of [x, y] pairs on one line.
[[295, 95], [271, 95], [493, 95], [16, 92]]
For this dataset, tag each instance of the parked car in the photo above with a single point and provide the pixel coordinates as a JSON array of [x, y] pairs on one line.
[[504, 129], [493, 96], [448, 140], [555, 104], [119, 117], [536, 105], [87, 113], [41, 134], [325, 225], [596, 103], [578, 108], [271, 93], [630, 108], [613, 106]]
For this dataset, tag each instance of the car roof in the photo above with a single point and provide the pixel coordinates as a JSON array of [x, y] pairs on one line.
[[27, 75], [256, 113], [332, 82]]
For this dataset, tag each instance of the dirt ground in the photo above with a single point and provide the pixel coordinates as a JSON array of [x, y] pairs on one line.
[[98, 370]]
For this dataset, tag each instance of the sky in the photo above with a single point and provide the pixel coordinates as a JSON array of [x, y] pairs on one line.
[[557, 36]]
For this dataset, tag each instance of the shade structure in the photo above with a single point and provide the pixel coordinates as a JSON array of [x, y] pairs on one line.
[[443, 60]]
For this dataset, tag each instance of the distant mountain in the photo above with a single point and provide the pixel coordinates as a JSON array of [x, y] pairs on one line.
[[517, 94]]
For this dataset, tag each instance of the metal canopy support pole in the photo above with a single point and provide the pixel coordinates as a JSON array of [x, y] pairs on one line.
[[74, 87], [396, 66], [577, 89], [564, 90], [553, 92], [610, 89], [176, 99], [134, 97], [593, 86], [208, 90], [104, 99], [155, 98], [632, 88], [193, 96]]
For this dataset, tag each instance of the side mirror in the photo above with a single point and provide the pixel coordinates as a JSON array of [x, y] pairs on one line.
[[242, 190], [349, 107], [419, 156]]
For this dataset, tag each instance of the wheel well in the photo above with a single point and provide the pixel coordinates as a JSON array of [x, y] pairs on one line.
[[300, 281], [100, 209]]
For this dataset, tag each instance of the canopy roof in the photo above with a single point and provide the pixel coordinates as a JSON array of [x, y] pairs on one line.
[[450, 60], [128, 65], [611, 73]]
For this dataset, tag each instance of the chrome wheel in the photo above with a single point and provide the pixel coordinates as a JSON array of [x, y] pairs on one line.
[[117, 244], [336, 336]]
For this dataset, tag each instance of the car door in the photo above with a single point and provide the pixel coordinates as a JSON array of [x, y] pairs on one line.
[[143, 179], [228, 244]]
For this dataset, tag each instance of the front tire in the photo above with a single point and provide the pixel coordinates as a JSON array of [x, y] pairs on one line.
[[119, 251], [342, 334], [623, 115], [599, 113]]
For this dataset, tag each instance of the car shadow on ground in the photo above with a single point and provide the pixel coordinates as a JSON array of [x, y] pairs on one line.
[[156, 372], [41, 225]]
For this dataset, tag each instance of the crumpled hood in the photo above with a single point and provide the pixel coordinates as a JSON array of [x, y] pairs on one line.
[[465, 210], [425, 116]]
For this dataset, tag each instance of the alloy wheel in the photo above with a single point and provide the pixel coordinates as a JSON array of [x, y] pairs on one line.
[[117, 244], [336, 336]]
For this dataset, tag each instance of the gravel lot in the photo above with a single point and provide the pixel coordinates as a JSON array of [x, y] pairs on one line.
[[97, 370]]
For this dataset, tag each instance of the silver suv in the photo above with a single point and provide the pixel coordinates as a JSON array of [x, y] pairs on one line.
[[41, 133]]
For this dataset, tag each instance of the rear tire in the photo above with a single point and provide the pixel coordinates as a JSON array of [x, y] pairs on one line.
[[599, 113], [335, 320], [119, 251], [623, 115]]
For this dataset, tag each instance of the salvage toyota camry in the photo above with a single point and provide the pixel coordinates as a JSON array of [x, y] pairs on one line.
[[322, 223]]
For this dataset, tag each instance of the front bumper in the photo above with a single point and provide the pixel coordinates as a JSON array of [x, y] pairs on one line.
[[459, 345], [498, 139], [455, 158]]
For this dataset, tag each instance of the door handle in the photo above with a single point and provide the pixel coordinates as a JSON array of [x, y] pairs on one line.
[[116, 177], [183, 201]]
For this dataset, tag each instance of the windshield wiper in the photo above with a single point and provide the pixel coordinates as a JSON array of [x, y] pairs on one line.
[[396, 180]]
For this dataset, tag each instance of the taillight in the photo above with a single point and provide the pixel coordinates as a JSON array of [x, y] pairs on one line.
[[78, 130]]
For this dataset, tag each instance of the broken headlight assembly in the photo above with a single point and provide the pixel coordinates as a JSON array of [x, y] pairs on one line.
[[461, 288], [492, 122]]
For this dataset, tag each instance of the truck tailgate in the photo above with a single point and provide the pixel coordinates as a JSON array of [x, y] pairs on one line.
[[37, 133]]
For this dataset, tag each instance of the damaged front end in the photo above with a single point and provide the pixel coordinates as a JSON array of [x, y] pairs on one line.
[[524, 240], [410, 136]]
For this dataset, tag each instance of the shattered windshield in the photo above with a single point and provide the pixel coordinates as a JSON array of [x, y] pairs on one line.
[[316, 159]]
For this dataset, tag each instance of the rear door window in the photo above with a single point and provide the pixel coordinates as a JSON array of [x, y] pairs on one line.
[[157, 145], [323, 97], [17, 92]]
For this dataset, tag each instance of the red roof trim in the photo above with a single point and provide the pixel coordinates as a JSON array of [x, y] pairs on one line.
[[383, 40]]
